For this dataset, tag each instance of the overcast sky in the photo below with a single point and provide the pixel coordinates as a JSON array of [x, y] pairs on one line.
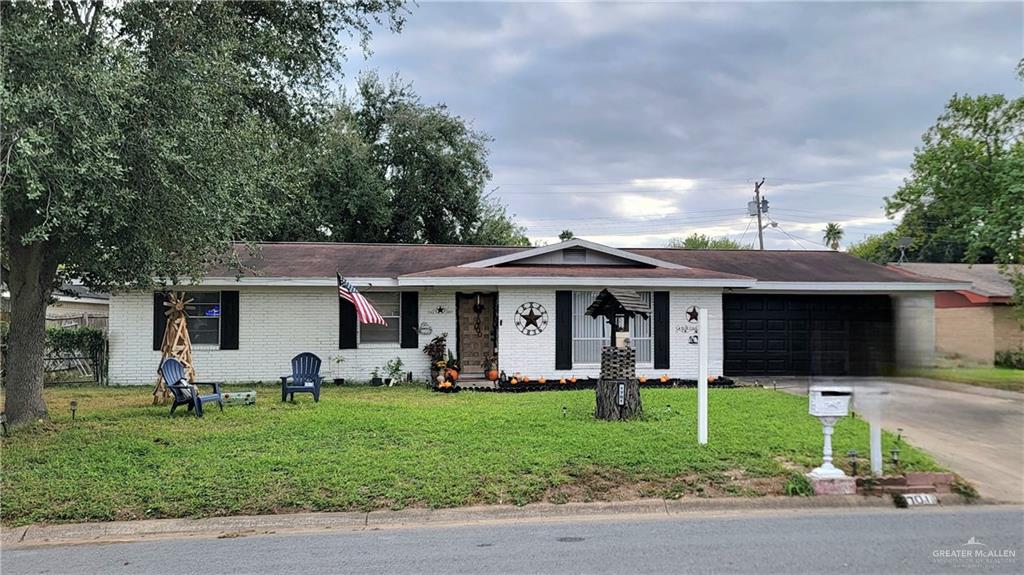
[[634, 123]]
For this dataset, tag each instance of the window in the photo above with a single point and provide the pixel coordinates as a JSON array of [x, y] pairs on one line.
[[389, 306], [590, 334], [203, 316]]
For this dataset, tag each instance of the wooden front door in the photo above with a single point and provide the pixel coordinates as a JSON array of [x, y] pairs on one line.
[[476, 331]]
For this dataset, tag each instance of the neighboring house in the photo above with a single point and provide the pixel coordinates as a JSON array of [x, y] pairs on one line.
[[771, 312], [72, 305], [976, 322]]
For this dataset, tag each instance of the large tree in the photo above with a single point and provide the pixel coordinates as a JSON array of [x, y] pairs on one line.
[[388, 168], [964, 199], [138, 139]]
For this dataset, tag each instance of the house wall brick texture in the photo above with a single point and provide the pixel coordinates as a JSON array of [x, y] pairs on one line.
[[276, 323], [1009, 334], [965, 332]]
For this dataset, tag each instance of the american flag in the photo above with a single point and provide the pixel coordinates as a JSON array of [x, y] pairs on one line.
[[364, 309]]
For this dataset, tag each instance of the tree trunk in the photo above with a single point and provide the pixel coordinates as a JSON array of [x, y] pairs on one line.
[[608, 405], [33, 268]]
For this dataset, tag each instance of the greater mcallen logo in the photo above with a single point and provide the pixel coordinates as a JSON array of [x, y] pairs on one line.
[[974, 551]]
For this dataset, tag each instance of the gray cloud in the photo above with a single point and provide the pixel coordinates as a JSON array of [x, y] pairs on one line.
[[631, 123]]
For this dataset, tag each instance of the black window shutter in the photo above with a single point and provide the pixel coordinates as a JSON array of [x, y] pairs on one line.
[[348, 336], [229, 320], [410, 319], [661, 330], [563, 330], [159, 319]]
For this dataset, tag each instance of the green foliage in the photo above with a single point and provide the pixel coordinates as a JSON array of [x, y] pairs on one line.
[[962, 201], [388, 168], [833, 233], [394, 368], [566, 235], [140, 138], [995, 377], [367, 447], [797, 485], [78, 341], [877, 248], [1010, 358], [697, 241]]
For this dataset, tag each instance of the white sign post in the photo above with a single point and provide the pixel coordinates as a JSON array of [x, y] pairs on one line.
[[703, 342]]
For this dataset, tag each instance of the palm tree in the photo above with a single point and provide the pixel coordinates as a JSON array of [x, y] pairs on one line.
[[833, 233]]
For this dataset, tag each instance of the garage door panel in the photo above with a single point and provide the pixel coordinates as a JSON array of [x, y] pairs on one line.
[[806, 334]]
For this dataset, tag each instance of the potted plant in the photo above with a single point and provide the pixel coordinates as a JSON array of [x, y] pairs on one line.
[[437, 351], [338, 360], [394, 370], [490, 365], [375, 378]]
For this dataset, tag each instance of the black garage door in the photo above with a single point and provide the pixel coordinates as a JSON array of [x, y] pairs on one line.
[[807, 334]]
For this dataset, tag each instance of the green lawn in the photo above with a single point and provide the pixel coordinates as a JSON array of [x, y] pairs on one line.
[[996, 377], [367, 448]]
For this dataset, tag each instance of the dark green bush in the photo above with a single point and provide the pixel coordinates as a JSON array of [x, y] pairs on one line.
[[1012, 359], [799, 486], [77, 341]]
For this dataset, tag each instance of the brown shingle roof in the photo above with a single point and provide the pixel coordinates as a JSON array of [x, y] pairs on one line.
[[584, 271], [985, 279], [321, 260], [783, 266]]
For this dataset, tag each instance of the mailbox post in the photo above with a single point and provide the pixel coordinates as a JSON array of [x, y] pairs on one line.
[[828, 404]]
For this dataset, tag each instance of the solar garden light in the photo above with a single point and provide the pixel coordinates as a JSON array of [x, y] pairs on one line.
[[3, 422], [565, 411], [894, 454], [74, 408], [852, 454]]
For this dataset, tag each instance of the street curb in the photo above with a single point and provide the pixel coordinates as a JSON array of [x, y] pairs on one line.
[[243, 526]]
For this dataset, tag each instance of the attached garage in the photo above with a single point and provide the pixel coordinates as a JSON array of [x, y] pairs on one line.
[[802, 334]]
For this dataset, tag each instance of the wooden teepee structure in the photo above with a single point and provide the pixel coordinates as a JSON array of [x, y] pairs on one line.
[[176, 343]]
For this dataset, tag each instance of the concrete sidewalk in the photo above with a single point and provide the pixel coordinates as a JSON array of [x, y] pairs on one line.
[[242, 526]]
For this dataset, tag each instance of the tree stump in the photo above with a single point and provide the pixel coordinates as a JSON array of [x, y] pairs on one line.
[[618, 390]]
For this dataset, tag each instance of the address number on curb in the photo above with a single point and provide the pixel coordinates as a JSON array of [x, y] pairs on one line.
[[914, 499]]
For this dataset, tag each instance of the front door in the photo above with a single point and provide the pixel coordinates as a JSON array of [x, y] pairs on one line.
[[476, 331]]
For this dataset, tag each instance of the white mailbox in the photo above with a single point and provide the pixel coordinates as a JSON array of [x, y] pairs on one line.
[[829, 401]]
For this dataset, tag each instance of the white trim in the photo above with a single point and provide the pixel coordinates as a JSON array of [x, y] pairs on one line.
[[89, 300], [854, 287], [572, 281], [575, 242]]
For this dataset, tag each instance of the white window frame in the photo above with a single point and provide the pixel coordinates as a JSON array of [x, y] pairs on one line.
[[220, 316], [578, 309], [387, 318]]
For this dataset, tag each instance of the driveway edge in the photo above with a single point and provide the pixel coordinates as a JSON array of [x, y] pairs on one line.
[[243, 526]]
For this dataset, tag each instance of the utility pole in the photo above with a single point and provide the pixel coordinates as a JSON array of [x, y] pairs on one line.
[[758, 207]]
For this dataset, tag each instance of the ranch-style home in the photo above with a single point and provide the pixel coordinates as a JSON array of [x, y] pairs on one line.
[[770, 312]]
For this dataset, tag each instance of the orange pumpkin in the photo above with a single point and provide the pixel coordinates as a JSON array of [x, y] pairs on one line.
[[513, 381], [542, 381], [712, 378], [492, 375], [643, 379], [572, 379], [526, 379], [562, 381], [663, 378]]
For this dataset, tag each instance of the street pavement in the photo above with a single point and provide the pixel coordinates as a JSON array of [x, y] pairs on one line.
[[977, 432], [850, 541]]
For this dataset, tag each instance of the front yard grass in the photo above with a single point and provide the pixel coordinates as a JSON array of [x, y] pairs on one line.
[[364, 448], [995, 377]]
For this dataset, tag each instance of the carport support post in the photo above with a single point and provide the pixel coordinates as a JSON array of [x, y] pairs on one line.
[[875, 429], [703, 343]]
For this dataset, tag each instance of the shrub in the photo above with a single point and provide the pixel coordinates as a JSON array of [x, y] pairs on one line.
[[799, 486], [1011, 359], [79, 341]]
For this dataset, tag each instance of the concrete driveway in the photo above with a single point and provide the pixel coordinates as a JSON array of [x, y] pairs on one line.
[[977, 432]]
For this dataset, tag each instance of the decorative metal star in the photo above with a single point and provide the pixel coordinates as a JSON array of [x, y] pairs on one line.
[[692, 314], [531, 319]]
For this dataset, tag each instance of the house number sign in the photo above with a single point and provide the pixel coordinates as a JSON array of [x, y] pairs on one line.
[[531, 318]]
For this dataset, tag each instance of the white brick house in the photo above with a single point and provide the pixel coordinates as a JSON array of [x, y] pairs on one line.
[[770, 312]]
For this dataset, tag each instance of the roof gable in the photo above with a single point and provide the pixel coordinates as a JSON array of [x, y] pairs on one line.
[[592, 254]]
